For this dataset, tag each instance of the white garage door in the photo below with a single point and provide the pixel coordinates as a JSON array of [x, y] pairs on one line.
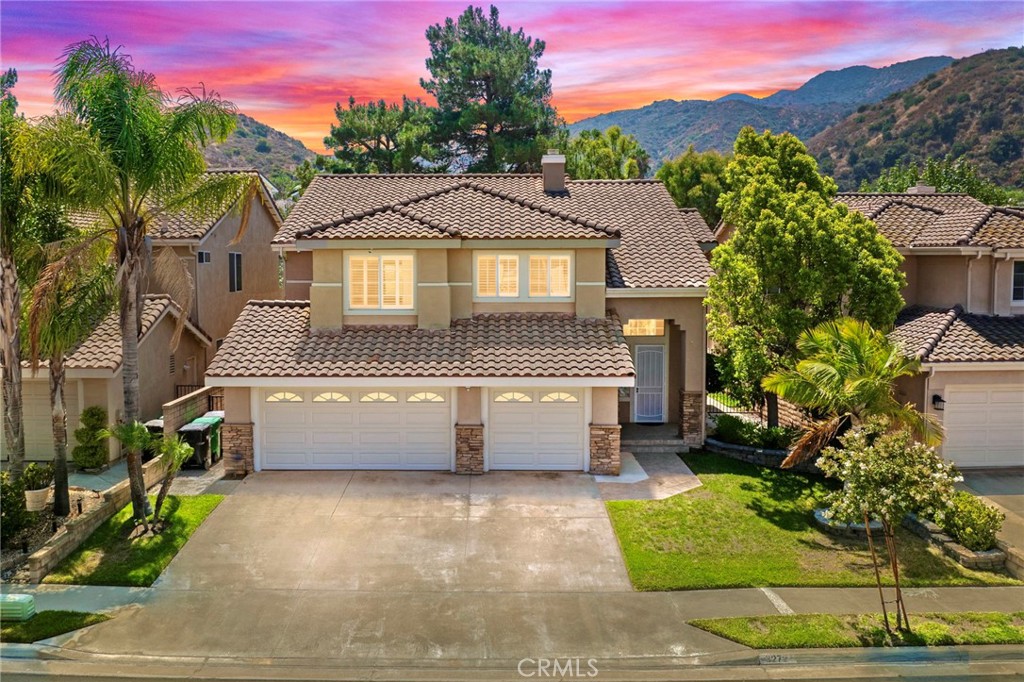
[[984, 426], [531, 429], [355, 429], [35, 397]]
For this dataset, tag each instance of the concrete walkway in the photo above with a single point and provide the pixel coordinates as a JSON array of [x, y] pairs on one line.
[[101, 481], [91, 598], [666, 475]]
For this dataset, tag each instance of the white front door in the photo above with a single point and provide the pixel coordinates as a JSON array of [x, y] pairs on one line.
[[649, 401]]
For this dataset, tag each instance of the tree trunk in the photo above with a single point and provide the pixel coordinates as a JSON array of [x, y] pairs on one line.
[[59, 417], [165, 488], [10, 360], [902, 619], [772, 404], [129, 320], [878, 575]]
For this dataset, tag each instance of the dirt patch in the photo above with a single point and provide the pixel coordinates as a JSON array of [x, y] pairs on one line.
[[14, 559]]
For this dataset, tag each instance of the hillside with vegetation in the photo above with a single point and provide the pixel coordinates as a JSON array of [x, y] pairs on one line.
[[667, 127], [973, 109], [257, 145]]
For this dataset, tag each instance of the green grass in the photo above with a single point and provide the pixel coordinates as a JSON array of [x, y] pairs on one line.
[[821, 631], [109, 557], [749, 526], [46, 624]]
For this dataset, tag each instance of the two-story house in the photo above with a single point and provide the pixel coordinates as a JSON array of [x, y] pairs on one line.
[[470, 323], [964, 263], [226, 269]]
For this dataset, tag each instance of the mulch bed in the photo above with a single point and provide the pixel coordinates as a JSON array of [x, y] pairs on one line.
[[14, 558]]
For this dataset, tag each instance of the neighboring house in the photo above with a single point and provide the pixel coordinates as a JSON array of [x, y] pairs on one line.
[[226, 275], [964, 263], [469, 323], [94, 377]]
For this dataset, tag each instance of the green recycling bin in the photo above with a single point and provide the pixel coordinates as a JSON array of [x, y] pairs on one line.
[[214, 422]]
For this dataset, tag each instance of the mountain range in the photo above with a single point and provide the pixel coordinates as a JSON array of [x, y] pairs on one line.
[[257, 145], [667, 127]]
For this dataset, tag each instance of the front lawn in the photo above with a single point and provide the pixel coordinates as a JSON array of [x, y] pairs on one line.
[[817, 630], [749, 526], [110, 557], [46, 624]]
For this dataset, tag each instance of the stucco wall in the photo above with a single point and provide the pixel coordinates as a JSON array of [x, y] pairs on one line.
[[298, 273], [688, 314], [604, 405], [156, 382], [469, 411], [237, 405]]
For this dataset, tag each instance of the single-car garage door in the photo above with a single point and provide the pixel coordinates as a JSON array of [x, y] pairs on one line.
[[355, 429], [984, 425], [536, 429]]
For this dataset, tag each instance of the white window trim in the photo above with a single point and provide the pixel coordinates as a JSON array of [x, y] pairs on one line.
[[524, 277], [349, 310], [1015, 301]]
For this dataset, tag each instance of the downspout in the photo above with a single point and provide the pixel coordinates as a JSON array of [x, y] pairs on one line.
[[970, 262], [996, 262], [195, 285]]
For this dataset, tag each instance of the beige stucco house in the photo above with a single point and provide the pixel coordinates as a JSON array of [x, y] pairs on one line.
[[964, 263], [470, 323], [93, 374]]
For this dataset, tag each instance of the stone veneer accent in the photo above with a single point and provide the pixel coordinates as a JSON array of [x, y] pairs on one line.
[[691, 417], [605, 440], [236, 445], [469, 449]]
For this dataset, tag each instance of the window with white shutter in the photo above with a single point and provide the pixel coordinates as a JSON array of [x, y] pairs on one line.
[[499, 276], [381, 282]]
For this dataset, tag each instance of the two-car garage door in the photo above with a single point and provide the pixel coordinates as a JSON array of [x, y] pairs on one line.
[[356, 429], [413, 428], [984, 425]]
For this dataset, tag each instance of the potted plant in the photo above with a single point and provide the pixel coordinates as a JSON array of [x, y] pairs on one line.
[[37, 480]]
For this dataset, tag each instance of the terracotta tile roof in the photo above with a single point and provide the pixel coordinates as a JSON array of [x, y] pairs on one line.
[[658, 242], [272, 338], [102, 348], [919, 220], [951, 335]]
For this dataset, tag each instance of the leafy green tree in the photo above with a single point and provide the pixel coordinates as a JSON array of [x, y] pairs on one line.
[[141, 157], [378, 137], [796, 259], [848, 371], [696, 180], [887, 475], [945, 175], [493, 99], [73, 292], [593, 155]]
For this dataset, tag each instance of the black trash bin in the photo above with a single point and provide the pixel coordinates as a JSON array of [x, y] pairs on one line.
[[197, 434], [156, 430]]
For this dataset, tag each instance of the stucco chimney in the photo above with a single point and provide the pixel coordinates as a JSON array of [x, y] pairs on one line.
[[921, 188], [553, 165]]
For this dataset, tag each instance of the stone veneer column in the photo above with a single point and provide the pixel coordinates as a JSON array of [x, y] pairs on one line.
[[691, 417], [605, 441], [236, 446], [469, 449]]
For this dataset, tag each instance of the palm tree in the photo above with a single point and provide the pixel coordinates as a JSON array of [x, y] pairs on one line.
[[848, 372], [72, 294], [142, 160], [134, 437], [174, 452]]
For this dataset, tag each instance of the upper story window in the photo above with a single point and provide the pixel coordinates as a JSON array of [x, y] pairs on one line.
[[1018, 281], [234, 271], [523, 276], [381, 282], [203, 256]]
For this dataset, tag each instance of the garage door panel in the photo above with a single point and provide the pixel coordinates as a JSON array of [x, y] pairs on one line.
[[534, 435], [333, 434], [984, 425]]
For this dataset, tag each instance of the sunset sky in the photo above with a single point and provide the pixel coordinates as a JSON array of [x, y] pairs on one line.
[[287, 63]]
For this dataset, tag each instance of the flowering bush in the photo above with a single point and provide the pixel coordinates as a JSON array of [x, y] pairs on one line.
[[973, 523], [888, 475]]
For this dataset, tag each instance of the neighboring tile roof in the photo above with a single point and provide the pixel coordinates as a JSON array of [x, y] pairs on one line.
[[658, 241], [102, 348], [273, 338], [181, 225], [919, 220], [951, 335]]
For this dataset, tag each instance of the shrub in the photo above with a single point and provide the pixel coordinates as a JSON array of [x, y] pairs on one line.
[[730, 429], [91, 451], [37, 476], [778, 437], [262, 147], [13, 515], [973, 523]]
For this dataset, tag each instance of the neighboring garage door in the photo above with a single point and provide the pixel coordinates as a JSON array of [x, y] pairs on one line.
[[35, 401], [530, 429], [984, 425], [355, 429]]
